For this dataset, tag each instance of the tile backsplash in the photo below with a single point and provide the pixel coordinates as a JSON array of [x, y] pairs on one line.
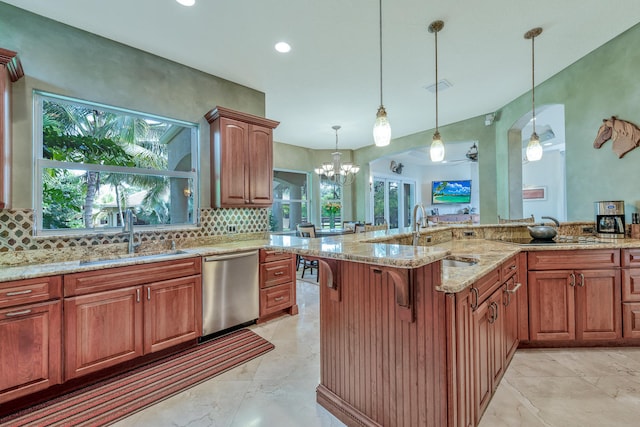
[[16, 230]]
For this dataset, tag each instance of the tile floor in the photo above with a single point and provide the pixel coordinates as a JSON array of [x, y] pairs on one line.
[[563, 388]]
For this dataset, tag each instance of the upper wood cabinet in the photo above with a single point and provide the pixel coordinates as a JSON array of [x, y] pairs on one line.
[[241, 159], [10, 71]]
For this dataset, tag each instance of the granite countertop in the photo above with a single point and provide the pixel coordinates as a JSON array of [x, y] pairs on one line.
[[366, 247]]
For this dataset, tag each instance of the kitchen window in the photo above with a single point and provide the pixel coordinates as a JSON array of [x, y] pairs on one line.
[[94, 162], [331, 204], [290, 200]]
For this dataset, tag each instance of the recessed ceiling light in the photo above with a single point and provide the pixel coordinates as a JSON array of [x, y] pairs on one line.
[[283, 47], [187, 2]]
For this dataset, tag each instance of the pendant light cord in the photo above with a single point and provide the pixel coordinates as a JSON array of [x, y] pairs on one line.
[[381, 53], [533, 82], [436, 34]]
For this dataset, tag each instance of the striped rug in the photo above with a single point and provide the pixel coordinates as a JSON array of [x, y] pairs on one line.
[[118, 397]]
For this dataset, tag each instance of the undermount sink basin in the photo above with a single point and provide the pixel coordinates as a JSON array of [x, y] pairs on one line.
[[128, 257], [458, 262]]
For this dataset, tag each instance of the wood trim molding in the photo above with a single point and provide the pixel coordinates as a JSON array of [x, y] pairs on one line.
[[10, 60], [218, 112]]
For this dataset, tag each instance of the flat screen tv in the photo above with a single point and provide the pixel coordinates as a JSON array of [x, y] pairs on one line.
[[451, 191]]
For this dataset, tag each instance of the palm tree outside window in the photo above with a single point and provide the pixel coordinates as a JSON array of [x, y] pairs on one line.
[[95, 161]]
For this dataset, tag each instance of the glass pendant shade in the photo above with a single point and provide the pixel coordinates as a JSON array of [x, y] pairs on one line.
[[534, 149], [381, 129], [436, 151]]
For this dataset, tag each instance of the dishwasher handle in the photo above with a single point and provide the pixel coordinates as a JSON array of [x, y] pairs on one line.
[[234, 255]]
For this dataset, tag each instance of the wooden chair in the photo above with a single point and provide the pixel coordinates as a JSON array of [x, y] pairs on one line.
[[307, 230], [349, 225], [359, 228], [383, 226], [527, 220]]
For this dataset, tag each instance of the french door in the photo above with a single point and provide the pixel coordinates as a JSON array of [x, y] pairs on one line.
[[392, 201]]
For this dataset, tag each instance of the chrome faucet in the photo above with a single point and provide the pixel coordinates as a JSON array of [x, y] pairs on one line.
[[128, 228], [415, 224]]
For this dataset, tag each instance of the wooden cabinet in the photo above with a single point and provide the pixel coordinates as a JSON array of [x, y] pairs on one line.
[[116, 315], [488, 322], [483, 324], [460, 350], [241, 159], [277, 284], [514, 302], [581, 301], [10, 71], [631, 293], [31, 336]]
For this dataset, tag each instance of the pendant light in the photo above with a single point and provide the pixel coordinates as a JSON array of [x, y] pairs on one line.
[[381, 127], [437, 147], [534, 149]]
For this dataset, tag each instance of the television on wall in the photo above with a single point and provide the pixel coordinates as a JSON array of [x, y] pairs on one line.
[[451, 192]]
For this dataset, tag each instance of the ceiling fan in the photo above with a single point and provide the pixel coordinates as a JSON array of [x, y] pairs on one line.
[[470, 157]]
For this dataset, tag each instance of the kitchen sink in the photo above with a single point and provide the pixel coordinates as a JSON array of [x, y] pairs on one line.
[[458, 262], [128, 257]]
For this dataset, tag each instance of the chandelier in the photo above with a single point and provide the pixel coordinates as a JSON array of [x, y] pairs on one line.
[[436, 151], [534, 149], [335, 171]]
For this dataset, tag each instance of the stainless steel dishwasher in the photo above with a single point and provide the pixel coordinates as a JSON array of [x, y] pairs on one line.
[[229, 291]]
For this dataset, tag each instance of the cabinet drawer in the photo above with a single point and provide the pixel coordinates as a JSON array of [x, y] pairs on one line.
[[268, 255], [631, 320], [487, 285], [121, 277], [509, 268], [274, 273], [560, 260], [631, 257], [631, 284], [29, 290], [275, 298]]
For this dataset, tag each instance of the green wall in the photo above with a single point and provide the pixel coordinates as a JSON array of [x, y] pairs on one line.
[[604, 83], [64, 60]]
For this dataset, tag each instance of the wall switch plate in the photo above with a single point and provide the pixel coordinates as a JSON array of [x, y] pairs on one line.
[[231, 228]]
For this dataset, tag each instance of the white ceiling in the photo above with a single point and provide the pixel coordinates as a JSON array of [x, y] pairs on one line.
[[331, 75]]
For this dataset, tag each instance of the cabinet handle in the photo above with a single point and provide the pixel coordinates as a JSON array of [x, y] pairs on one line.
[[515, 288], [148, 294], [496, 312], [572, 283], [14, 293], [474, 304], [492, 319], [507, 300], [278, 298], [17, 313], [138, 295], [513, 267], [581, 284], [278, 273]]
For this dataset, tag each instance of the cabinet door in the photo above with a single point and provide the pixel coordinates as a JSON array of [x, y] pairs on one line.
[[260, 157], [233, 146], [102, 330], [31, 339], [631, 322], [551, 305], [598, 305], [460, 339], [171, 311], [511, 293]]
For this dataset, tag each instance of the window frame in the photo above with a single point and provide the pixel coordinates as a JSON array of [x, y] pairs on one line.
[[308, 201], [40, 164]]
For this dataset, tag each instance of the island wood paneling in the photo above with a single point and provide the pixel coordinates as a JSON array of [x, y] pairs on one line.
[[377, 369]]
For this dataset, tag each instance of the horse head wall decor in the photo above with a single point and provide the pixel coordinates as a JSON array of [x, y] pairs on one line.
[[625, 135]]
